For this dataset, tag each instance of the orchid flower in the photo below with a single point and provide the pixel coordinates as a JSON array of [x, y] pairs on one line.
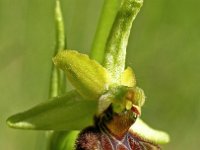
[[106, 103]]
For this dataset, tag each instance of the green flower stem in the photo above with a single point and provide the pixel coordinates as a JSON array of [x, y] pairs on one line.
[[58, 79], [107, 17], [64, 140], [115, 53], [59, 140], [60, 34]]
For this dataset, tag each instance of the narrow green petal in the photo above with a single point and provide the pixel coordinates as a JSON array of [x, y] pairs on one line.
[[148, 134], [87, 76], [69, 112], [128, 78]]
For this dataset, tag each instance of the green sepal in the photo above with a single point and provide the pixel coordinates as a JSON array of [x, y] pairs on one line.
[[68, 112], [115, 50], [63, 140], [148, 134], [86, 75]]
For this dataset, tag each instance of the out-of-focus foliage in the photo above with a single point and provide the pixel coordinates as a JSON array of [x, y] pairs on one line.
[[163, 51]]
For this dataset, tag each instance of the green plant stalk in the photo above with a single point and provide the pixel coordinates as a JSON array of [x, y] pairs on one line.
[[58, 79], [59, 140], [60, 34], [64, 140], [106, 20], [115, 53]]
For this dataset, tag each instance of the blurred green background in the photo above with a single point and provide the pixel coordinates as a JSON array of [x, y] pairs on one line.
[[164, 50]]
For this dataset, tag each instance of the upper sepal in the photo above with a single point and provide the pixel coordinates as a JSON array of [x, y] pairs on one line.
[[68, 112], [87, 76], [148, 134]]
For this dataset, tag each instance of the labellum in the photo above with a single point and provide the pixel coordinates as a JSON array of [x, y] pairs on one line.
[[111, 128]]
